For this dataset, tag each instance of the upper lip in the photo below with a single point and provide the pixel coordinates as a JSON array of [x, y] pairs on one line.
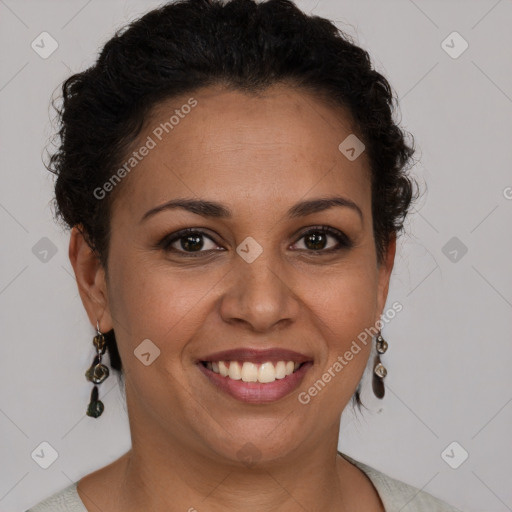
[[257, 356]]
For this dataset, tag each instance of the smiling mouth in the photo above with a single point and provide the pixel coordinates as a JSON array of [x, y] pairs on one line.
[[247, 371]]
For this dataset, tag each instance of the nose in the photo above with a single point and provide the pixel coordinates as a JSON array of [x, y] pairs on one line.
[[259, 296]]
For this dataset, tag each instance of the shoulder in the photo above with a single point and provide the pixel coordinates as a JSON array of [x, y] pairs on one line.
[[66, 500], [397, 495]]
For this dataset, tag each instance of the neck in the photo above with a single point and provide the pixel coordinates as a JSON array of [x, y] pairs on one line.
[[160, 476]]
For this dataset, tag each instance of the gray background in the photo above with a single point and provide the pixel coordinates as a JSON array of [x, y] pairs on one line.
[[449, 357]]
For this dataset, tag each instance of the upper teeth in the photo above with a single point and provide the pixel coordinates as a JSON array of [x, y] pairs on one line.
[[250, 372]]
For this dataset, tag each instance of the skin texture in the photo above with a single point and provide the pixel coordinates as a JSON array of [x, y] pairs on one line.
[[258, 155]]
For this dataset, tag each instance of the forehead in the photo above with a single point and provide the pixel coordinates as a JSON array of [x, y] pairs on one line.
[[217, 143]]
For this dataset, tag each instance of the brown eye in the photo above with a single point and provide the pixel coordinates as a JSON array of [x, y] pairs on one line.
[[317, 239], [191, 242], [187, 242]]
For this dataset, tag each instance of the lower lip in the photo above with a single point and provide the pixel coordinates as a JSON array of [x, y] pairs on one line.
[[256, 392]]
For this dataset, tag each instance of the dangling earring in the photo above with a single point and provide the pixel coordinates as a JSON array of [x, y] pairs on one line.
[[97, 373], [379, 370]]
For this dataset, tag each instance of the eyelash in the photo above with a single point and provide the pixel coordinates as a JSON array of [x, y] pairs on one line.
[[343, 240]]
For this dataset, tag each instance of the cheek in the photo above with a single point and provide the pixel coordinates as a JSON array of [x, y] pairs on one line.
[[156, 302], [346, 296], [341, 311], [344, 307]]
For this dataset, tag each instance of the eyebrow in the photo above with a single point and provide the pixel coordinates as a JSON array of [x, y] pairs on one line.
[[213, 209]]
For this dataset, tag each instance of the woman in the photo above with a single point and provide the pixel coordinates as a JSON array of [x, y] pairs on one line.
[[234, 184]]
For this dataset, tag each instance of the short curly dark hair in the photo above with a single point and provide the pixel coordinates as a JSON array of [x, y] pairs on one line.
[[243, 45]]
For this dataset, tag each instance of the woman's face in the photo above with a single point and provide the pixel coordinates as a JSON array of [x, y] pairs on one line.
[[261, 277]]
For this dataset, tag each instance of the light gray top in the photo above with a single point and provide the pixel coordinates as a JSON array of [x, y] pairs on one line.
[[396, 496]]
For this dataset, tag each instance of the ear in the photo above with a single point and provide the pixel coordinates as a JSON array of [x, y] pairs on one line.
[[91, 280], [384, 274]]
